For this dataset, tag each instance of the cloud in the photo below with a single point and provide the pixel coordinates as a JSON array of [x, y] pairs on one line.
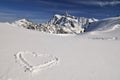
[[55, 3], [6, 14], [100, 3]]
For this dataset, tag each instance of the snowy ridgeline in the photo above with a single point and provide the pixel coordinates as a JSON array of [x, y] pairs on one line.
[[58, 24]]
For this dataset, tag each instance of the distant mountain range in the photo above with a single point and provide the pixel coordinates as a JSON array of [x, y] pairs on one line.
[[67, 24]]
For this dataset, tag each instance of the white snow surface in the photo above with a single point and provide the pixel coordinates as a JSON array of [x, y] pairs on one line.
[[80, 58]]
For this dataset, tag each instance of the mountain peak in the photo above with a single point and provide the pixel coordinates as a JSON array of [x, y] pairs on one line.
[[23, 23], [66, 14], [23, 20]]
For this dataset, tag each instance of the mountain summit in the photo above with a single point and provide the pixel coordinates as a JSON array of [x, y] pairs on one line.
[[65, 23]]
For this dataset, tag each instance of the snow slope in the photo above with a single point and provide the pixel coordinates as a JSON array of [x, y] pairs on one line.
[[105, 24], [80, 59], [106, 28]]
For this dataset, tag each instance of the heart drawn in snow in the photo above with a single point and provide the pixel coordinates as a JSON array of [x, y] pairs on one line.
[[35, 62]]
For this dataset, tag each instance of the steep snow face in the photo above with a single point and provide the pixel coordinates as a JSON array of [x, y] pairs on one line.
[[105, 25], [71, 24], [66, 22], [63, 20]]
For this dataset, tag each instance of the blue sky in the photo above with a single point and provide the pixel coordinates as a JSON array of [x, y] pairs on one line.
[[42, 10]]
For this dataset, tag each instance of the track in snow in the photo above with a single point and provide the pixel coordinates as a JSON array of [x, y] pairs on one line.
[[35, 62]]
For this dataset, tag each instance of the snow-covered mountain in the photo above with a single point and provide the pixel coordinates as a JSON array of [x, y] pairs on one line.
[[70, 24], [58, 24], [67, 24], [24, 23]]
